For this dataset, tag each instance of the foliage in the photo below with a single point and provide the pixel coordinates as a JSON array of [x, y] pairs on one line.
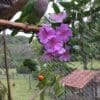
[[17, 50], [3, 91], [33, 11], [31, 65], [52, 72], [22, 70], [84, 31]]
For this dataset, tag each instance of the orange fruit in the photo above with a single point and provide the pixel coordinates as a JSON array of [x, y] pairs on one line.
[[40, 77]]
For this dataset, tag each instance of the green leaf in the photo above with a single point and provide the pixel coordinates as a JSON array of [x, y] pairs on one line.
[[42, 84], [88, 13], [31, 38], [58, 89], [42, 95], [32, 65], [82, 2], [14, 32], [56, 8], [66, 5], [96, 39]]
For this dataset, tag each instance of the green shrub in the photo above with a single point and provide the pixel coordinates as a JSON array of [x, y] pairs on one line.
[[23, 70]]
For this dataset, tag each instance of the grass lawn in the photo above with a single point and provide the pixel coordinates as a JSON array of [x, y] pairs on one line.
[[95, 64], [21, 90]]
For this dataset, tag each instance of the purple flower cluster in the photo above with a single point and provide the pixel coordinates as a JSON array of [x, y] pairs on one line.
[[53, 41]]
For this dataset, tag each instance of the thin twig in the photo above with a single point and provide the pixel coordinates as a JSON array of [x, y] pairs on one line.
[[37, 95]]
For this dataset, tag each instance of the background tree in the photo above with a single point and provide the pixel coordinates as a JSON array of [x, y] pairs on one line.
[[83, 16], [32, 66]]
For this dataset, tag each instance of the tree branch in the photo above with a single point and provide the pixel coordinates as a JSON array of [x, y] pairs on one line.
[[4, 24]]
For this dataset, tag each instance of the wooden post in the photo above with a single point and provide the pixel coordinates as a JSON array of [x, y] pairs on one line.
[[6, 65]]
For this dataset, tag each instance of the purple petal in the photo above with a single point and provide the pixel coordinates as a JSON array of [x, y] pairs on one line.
[[61, 51], [54, 44], [65, 56], [46, 32], [58, 52], [58, 17], [64, 32], [47, 56]]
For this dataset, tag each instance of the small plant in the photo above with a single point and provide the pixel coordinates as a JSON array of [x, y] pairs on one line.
[[31, 65], [3, 91]]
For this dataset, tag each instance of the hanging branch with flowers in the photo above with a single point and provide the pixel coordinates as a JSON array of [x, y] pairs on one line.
[[55, 38]]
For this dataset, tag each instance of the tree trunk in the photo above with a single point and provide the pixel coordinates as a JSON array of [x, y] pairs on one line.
[[85, 62]]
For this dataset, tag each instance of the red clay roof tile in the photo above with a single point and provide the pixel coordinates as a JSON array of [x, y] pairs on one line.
[[78, 78]]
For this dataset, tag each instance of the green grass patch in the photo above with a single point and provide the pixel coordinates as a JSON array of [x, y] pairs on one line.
[[21, 89], [95, 64]]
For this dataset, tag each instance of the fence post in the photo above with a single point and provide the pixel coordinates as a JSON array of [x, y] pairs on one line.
[[6, 65]]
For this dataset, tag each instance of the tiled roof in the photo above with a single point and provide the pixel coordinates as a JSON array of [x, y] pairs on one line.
[[78, 78]]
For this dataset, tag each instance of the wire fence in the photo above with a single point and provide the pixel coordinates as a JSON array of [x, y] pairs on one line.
[[89, 92]]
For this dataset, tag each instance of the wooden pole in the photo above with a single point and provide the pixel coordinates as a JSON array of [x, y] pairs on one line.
[[6, 66]]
